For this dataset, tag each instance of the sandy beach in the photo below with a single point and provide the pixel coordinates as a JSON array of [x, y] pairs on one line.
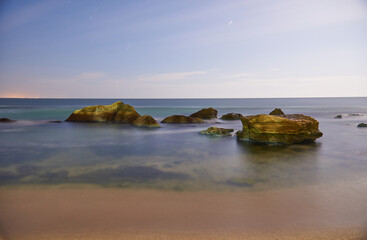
[[94, 213]]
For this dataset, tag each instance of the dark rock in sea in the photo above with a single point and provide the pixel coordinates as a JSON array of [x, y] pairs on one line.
[[7, 176], [132, 174], [206, 113], [54, 121], [282, 129], [182, 119], [26, 170], [361, 125], [339, 116], [231, 116], [6, 120], [277, 111], [117, 112], [146, 121], [54, 176], [241, 182], [217, 132]]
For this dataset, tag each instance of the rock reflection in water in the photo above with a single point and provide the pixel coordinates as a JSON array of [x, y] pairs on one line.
[[276, 165]]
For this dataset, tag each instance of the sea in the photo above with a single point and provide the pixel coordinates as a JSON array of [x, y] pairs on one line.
[[36, 152]]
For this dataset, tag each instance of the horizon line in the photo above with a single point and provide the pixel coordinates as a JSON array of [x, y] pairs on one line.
[[177, 98]]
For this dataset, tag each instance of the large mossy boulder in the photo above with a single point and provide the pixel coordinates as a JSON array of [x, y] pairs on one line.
[[182, 119], [277, 111], [126, 114], [217, 132], [205, 113], [283, 129], [231, 116], [116, 112], [146, 121]]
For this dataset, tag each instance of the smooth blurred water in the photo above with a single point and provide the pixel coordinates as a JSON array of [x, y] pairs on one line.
[[34, 151]]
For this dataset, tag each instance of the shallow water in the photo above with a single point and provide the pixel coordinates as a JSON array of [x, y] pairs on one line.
[[176, 157]]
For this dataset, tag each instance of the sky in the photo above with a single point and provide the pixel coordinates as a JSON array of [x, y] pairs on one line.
[[183, 49]]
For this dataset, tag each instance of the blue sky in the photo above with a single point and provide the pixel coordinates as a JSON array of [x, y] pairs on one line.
[[183, 49]]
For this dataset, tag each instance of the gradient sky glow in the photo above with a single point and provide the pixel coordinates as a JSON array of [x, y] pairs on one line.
[[183, 49]]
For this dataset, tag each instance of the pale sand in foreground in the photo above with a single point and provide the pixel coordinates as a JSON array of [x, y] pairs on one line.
[[147, 214]]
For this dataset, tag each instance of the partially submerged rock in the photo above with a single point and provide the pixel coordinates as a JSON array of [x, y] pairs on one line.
[[217, 132], [277, 111], [362, 125], [6, 120], [146, 121], [57, 121], [205, 113], [339, 116], [182, 119], [116, 112], [231, 116], [283, 129]]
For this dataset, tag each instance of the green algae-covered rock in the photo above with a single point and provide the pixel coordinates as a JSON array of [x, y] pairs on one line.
[[126, 114], [217, 132], [97, 113], [206, 113], [117, 112], [284, 129], [231, 116], [362, 125], [182, 119], [146, 121], [277, 111]]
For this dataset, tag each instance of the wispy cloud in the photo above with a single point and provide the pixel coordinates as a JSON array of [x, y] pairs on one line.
[[239, 75], [168, 77]]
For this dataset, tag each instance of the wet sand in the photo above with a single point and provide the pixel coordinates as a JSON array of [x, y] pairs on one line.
[[96, 213]]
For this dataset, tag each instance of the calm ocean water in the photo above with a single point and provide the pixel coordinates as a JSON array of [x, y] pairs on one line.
[[176, 157]]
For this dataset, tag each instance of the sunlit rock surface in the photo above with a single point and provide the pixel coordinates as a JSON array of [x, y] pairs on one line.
[[182, 119], [283, 129], [146, 121], [205, 113], [117, 112], [126, 114]]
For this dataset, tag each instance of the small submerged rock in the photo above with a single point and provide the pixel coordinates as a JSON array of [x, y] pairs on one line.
[[146, 121], [206, 113], [182, 119], [54, 121], [361, 125], [349, 115], [282, 129], [231, 116], [217, 132], [277, 111], [6, 120]]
